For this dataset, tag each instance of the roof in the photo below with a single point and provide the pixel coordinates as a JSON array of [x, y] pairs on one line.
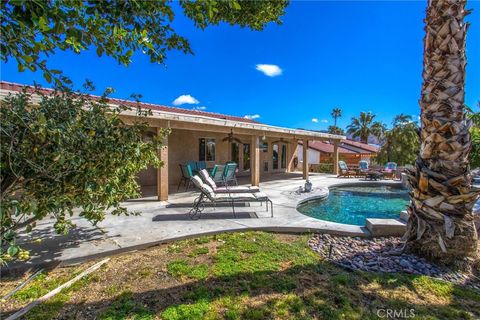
[[324, 146], [10, 86], [179, 118], [369, 148]]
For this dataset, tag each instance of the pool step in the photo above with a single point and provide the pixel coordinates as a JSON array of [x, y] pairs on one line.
[[386, 227], [404, 215]]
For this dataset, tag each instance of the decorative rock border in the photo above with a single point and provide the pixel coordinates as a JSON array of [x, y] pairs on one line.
[[383, 255]]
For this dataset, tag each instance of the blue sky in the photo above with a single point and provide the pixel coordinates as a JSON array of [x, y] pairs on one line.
[[359, 56]]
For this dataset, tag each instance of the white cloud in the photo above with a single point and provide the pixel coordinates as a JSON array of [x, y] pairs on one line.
[[270, 70], [252, 116], [200, 108], [316, 120], [185, 99]]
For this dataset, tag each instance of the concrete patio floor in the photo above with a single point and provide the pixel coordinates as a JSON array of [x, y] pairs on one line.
[[161, 222]]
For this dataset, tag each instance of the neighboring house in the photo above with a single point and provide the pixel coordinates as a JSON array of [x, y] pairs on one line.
[[204, 136], [322, 152]]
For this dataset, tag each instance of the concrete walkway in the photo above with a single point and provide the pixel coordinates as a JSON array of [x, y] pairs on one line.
[[161, 222]]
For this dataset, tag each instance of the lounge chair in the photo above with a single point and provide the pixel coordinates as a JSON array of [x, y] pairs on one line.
[[209, 195], [226, 189], [343, 170], [390, 170], [187, 175]]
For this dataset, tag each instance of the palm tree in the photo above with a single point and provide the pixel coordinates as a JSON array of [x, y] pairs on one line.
[[364, 126], [400, 144], [336, 113], [441, 221]]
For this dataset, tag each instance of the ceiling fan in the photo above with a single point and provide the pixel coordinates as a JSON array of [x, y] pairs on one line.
[[282, 141], [230, 138]]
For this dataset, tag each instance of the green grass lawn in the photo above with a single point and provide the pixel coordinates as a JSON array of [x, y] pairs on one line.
[[252, 275]]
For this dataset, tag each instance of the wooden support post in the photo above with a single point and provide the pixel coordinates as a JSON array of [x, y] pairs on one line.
[[305, 159], [162, 173], [292, 154], [255, 161], [335, 156]]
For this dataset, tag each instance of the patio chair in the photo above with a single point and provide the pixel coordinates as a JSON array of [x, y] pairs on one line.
[[193, 166], [217, 173], [362, 168], [201, 165], [186, 178], [226, 189], [343, 170], [207, 194], [390, 170], [230, 174]]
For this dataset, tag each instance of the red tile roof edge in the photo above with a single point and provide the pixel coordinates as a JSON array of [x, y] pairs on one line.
[[325, 147], [360, 145], [11, 86]]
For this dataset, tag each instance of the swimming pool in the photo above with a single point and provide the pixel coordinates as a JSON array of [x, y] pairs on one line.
[[354, 204]]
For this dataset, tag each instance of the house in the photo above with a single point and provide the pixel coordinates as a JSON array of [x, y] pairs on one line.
[[259, 149], [322, 152]]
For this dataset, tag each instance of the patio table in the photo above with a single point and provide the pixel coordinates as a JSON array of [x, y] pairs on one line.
[[374, 175]]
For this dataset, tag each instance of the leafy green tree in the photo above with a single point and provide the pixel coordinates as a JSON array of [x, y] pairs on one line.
[[364, 126], [336, 130], [71, 152], [68, 151], [336, 113], [401, 143], [34, 30]]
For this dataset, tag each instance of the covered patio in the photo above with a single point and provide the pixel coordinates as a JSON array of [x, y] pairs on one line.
[[260, 151]]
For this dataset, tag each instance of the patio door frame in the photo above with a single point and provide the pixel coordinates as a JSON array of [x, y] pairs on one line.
[[282, 148], [241, 146]]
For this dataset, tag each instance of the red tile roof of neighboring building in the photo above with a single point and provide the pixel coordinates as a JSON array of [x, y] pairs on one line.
[[364, 146], [19, 87], [326, 147]]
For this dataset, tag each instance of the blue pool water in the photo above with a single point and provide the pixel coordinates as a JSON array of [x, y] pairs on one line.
[[352, 205]]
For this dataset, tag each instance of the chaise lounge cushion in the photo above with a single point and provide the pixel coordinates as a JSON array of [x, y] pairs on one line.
[[236, 189], [260, 196], [240, 189], [206, 189], [208, 180], [235, 197]]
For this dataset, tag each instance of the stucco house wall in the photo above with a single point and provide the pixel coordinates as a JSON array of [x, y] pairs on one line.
[[184, 146]]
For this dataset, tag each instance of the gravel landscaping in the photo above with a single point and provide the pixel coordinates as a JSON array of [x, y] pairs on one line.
[[383, 255]]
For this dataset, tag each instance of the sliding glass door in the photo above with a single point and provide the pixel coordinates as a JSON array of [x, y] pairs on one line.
[[275, 151]]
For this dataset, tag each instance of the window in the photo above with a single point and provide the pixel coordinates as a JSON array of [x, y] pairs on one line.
[[235, 152], [274, 156], [246, 157], [206, 149], [284, 157]]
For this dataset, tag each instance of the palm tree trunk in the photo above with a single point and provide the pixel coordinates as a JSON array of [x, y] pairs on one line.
[[441, 222]]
